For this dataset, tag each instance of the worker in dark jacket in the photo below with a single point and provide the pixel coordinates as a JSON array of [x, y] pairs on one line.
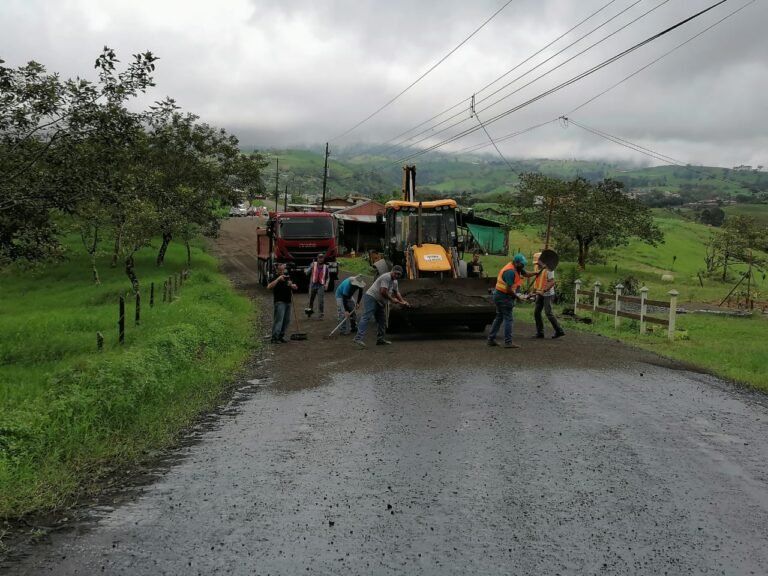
[[282, 288]]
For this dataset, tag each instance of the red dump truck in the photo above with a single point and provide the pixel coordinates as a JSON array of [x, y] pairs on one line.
[[296, 238]]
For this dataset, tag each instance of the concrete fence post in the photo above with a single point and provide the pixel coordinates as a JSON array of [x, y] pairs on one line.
[[617, 307], [577, 285], [673, 294], [643, 296], [595, 297]]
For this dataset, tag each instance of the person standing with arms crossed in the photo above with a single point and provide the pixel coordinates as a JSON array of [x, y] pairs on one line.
[[318, 284], [505, 296], [544, 288]]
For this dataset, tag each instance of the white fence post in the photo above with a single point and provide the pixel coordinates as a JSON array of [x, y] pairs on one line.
[[595, 298], [643, 296], [617, 306], [673, 294], [577, 283]]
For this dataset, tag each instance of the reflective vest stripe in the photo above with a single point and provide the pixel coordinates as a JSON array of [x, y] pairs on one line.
[[540, 282], [502, 286]]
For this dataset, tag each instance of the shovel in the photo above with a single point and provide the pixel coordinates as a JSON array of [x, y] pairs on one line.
[[297, 335], [340, 324]]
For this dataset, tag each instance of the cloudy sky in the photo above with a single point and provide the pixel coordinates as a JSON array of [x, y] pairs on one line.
[[285, 73]]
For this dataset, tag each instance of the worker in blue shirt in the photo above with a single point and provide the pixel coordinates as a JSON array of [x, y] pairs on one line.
[[505, 296], [346, 303]]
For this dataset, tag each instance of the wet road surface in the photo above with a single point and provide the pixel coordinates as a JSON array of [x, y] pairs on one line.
[[443, 456], [453, 471]]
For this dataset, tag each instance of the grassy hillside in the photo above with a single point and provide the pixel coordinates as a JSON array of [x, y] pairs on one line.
[[485, 177]]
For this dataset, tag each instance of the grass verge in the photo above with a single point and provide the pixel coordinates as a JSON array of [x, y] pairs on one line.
[[70, 415]]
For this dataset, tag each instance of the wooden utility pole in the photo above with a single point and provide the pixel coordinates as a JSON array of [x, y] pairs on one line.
[[285, 201], [549, 223], [277, 180], [325, 178]]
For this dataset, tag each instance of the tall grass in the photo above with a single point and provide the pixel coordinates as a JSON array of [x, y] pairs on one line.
[[68, 414]]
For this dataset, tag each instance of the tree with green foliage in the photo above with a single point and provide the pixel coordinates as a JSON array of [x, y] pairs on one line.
[[597, 215], [733, 244], [47, 127]]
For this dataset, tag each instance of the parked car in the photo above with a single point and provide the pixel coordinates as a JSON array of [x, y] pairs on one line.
[[239, 210]]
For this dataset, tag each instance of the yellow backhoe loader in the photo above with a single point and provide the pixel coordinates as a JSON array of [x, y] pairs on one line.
[[423, 238]]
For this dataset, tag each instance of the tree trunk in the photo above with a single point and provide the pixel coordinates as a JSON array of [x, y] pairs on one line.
[[167, 237], [189, 253], [131, 273], [583, 250]]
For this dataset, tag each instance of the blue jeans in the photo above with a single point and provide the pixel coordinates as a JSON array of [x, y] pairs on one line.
[[372, 309], [319, 291], [344, 305], [504, 306], [281, 319]]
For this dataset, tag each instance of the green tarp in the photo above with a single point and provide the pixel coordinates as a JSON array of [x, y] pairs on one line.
[[490, 240]]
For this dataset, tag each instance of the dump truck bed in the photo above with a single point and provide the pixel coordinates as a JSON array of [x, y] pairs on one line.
[[439, 304]]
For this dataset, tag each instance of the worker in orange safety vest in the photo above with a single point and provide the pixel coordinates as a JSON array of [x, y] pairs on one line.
[[505, 296], [544, 292]]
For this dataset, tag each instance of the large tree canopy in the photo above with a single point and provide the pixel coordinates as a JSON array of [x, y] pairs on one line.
[[590, 214], [84, 149]]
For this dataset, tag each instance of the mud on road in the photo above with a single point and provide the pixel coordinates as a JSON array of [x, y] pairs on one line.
[[443, 456]]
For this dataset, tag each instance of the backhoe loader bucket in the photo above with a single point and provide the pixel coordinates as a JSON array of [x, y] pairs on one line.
[[437, 304]]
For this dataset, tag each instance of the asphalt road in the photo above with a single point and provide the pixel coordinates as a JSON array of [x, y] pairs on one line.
[[443, 456]]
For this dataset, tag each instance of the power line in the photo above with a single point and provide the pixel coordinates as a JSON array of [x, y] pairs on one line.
[[566, 83], [412, 84], [464, 101], [541, 75], [474, 113], [635, 73]]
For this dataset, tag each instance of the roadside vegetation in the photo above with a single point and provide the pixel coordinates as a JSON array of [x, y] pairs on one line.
[[71, 415]]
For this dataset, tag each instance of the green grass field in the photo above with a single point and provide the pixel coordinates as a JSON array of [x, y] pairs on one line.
[[68, 414]]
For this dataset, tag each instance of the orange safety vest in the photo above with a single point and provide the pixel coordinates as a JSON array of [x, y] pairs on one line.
[[540, 281], [502, 286]]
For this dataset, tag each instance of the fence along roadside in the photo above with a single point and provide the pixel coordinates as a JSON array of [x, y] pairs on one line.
[[618, 298]]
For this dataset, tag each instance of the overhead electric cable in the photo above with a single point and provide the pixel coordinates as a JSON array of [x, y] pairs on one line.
[[535, 79], [463, 102], [412, 84], [474, 113], [475, 147], [567, 82]]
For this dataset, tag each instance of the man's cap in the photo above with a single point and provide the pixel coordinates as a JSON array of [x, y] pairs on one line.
[[321, 255], [357, 281], [397, 268], [520, 259]]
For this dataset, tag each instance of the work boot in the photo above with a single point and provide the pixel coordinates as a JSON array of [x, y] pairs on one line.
[[359, 343], [558, 335], [511, 345], [383, 342], [308, 312], [282, 340], [492, 343], [538, 336]]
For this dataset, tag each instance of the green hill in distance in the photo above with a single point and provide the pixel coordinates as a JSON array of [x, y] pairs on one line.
[[488, 179]]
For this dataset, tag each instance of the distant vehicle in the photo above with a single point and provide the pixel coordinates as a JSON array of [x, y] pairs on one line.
[[239, 210]]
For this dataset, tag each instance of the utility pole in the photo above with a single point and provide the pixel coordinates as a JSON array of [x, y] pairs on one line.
[[325, 178], [277, 179], [285, 202]]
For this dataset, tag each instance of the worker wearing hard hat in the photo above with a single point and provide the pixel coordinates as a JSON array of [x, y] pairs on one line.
[[544, 290], [505, 296]]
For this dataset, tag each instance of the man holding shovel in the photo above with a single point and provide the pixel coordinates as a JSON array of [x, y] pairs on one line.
[[384, 289], [346, 304]]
